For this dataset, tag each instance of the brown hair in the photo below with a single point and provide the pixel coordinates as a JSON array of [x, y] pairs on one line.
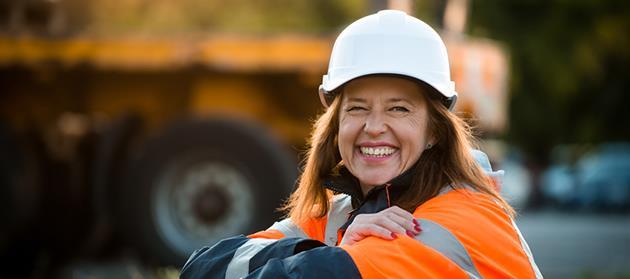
[[448, 162]]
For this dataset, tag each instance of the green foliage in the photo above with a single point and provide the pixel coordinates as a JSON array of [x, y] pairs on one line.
[[569, 68]]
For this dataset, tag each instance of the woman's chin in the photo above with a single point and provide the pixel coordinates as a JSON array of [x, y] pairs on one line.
[[375, 180]]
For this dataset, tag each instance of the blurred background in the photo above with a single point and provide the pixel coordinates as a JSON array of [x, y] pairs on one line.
[[133, 132]]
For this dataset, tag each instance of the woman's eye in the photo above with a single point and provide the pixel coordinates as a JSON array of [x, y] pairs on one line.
[[400, 109], [355, 108]]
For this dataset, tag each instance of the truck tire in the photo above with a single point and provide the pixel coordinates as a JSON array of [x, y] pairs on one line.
[[19, 184], [20, 199], [110, 161], [201, 181]]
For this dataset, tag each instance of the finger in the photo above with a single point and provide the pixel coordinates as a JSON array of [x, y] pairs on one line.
[[409, 220], [404, 222], [390, 225], [400, 212], [357, 232], [378, 231]]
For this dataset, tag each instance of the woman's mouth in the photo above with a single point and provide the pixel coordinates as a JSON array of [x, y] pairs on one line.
[[377, 151]]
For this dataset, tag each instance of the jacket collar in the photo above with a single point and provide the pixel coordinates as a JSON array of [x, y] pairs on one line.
[[346, 183], [377, 199]]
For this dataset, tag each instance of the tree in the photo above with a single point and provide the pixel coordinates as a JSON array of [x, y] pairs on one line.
[[570, 62]]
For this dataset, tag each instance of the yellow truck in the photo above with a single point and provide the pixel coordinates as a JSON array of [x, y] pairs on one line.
[[169, 144]]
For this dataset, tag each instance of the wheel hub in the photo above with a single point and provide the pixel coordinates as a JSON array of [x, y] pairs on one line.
[[210, 204]]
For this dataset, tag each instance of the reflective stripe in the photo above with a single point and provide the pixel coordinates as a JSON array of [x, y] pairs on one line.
[[483, 162], [482, 159], [443, 241], [498, 174], [239, 266], [530, 256], [445, 190], [288, 228], [340, 209], [448, 188], [524, 245]]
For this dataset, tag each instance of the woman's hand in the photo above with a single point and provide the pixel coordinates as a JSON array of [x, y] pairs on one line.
[[386, 224]]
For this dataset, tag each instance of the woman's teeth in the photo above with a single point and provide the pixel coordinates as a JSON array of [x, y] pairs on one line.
[[378, 151]]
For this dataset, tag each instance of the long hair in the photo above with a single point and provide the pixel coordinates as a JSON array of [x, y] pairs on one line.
[[448, 162], [311, 199]]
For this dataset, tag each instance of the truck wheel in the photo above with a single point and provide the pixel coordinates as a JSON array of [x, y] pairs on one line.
[[201, 181], [19, 183], [110, 159], [20, 201]]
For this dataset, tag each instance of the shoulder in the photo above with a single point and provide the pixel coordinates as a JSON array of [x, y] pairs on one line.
[[467, 198], [459, 208], [474, 220]]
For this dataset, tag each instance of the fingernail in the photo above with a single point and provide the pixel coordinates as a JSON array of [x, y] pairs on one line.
[[394, 236], [417, 228], [415, 222], [410, 234]]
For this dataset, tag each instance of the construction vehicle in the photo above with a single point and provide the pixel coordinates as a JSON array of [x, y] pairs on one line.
[[170, 144]]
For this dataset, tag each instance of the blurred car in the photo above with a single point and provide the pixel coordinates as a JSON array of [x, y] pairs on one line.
[[516, 186], [598, 180]]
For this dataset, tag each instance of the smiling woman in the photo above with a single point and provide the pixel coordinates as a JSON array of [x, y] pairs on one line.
[[391, 187], [382, 127]]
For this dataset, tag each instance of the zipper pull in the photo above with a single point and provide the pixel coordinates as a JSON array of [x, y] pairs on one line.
[[389, 204]]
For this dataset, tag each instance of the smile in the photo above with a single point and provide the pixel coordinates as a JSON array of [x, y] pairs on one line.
[[377, 151]]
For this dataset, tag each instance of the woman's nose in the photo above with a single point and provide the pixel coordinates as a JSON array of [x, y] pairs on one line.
[[375, 124]]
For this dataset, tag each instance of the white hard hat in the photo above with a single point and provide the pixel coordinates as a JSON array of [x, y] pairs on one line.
[[389, 42]]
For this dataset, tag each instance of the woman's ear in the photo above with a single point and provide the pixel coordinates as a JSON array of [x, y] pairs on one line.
[[431, 140]]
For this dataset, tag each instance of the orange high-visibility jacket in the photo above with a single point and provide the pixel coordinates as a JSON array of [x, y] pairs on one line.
[[465, 234]]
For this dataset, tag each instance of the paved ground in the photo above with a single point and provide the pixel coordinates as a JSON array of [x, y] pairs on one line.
[[569, 245]]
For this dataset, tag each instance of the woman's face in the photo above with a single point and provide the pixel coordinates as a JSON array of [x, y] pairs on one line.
[[382, 128]]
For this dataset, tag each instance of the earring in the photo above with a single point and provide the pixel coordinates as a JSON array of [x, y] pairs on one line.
[[429, 146]]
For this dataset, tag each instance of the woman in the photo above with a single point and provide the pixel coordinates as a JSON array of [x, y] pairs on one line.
[[391, 186]]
